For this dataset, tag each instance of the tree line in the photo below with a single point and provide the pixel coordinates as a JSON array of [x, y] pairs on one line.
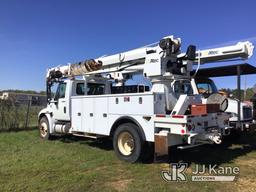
[[23, 91], [234, 93]]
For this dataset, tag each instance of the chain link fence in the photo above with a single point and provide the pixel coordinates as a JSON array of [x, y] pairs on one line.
[[18, 115]]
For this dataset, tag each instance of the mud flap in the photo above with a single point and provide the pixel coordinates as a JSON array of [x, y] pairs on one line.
[[161, 145]]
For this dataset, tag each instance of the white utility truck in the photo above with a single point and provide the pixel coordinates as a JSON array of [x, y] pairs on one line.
[[93, 100]]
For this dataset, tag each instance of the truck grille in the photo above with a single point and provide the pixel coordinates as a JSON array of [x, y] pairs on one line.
[[247, 113]]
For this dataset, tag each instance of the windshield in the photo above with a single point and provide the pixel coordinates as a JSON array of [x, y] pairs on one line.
[[206, 87], [56, 90], [61, 90]]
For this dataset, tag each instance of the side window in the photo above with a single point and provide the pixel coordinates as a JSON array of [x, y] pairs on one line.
[[95, 89], [80, 89], [54, 89], [61, 90], [204, 88]]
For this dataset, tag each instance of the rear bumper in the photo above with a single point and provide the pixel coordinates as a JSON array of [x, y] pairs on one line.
[[163, 140]]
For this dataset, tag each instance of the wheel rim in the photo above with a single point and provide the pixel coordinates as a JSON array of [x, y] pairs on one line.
[[125, 143], [43, 129]]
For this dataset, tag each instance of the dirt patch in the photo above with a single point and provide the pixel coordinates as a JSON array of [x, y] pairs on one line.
[[246, 184], [247, 163], [120, 185]]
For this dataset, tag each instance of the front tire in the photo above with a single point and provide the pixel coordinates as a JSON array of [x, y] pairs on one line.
[[44, 130], [128, 142]]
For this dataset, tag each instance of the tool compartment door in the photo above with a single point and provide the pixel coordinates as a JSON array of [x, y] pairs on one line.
[[76, 114], [88, 115], [101, 123]]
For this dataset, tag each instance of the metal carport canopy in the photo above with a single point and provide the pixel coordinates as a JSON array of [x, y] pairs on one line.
[[230, 70]]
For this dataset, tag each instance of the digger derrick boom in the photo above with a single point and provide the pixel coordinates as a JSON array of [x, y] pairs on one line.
[[154, 60], [241, 50]]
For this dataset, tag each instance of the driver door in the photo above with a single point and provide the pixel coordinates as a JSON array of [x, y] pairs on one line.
[[60, 104]]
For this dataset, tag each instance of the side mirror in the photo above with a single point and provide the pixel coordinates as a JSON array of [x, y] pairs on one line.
[[54, 101], [191, 52]]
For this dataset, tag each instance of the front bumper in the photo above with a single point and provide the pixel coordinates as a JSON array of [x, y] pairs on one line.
[[249, 126], [244, 125]]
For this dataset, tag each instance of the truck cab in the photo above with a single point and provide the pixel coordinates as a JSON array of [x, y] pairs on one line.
[[59, 98]]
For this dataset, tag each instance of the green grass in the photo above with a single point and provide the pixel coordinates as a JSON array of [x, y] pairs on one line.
[[28, 163]]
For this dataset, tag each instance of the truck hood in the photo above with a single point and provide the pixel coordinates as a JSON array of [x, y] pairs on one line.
[[232, 108], [45, 111]]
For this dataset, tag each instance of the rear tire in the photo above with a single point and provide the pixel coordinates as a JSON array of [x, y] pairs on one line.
[[128, 143], [44, 130]]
